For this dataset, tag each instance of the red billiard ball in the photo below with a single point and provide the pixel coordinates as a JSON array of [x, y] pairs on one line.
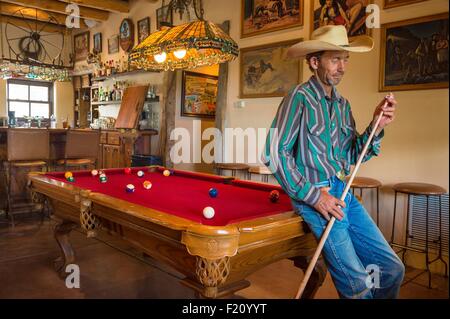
[[127, 170], [274, 196]]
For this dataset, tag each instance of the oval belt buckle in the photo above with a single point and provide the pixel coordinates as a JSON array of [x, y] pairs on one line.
[[341, 175]]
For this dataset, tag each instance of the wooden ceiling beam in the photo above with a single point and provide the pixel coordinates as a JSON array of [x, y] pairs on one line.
[[25, 24], [118, 6], [60, 7], [13, 10]]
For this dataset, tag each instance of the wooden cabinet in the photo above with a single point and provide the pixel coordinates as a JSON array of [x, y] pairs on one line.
[[111, 156], [116, 148]]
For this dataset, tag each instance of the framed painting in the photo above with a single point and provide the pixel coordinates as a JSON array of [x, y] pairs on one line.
[[349, 13], [113, 44], [397, 3], [414, 54], [265, 70], [81, 46], [164, 15], [143, 27], [98, 45], [126, 35], [199, 95], [262, 16]]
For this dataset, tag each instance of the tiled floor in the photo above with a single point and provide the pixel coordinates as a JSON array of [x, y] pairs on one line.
[[26, 255]]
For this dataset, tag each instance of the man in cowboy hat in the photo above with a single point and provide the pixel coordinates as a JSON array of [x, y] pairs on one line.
[[312, 144]]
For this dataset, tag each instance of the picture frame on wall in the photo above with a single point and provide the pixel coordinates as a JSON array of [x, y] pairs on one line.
[[199, 95], [263, 16], [349, 13], [98, 45], [414, 54], [398, 3], [126, 33], [81, 46], [265, 70], [164, 15], [113, 44], [143, 27]]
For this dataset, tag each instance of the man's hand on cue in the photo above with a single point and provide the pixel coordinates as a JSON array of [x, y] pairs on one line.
[[388, 112], [329, 205]]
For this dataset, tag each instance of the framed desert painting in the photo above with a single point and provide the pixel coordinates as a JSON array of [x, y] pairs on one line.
[[397, 3], [265, 70], [349, 13], [199, 95], [81, 46], [262, 16], [143, 29], [414, 54]]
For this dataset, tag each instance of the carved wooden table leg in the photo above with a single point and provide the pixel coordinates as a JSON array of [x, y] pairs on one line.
[[317, 276], [212, 273], [62, 233]]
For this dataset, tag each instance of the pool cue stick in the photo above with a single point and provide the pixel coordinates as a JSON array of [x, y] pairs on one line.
[[327, 231]]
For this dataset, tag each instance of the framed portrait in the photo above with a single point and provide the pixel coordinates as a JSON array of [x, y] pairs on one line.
[[113, 44], [265, 70], [143, 27], [126, 34], [163, 15], [349, 13], [397, 3], [98, 45], [81, 46], [199, 95], [262, 16], [414, 54]]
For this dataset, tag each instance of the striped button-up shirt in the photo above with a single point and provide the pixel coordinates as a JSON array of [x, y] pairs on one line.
[[312, 138]]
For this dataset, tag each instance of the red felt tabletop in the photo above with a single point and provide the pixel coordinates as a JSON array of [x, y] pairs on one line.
[[185, 194]]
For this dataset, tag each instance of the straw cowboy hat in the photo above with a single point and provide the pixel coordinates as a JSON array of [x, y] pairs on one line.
[[330, 38]]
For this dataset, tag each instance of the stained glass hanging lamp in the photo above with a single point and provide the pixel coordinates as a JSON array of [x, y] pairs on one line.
[[186, 46]]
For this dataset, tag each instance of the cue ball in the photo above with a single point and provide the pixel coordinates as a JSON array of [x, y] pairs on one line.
[[130, 188], [140, 174], [127, 170], [94, 172], [166, 172], [208, 212], [213, 192]]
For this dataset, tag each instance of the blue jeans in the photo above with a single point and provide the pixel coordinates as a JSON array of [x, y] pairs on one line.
[[359, 259]]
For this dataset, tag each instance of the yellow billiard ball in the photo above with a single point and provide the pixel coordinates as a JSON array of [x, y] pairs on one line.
[[166, 173], [67, 175]]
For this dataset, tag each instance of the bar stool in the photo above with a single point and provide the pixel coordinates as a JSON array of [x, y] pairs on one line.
[[233, 167], [362, 183], [81, 150], [26, 149], [263, 171], [419, 189]]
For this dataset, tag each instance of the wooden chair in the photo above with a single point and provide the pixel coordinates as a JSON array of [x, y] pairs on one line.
[[368, 183], [263, 171], [233, 167], [81, 150], [27, 149], [427, 191]]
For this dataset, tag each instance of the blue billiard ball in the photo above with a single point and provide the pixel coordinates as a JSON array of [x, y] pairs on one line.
[[130, 188], [213, 192]]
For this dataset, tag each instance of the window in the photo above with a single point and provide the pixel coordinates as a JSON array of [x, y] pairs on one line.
[[30, 98]]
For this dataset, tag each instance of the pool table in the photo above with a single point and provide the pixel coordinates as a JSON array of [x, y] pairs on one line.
[[166, 222]]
